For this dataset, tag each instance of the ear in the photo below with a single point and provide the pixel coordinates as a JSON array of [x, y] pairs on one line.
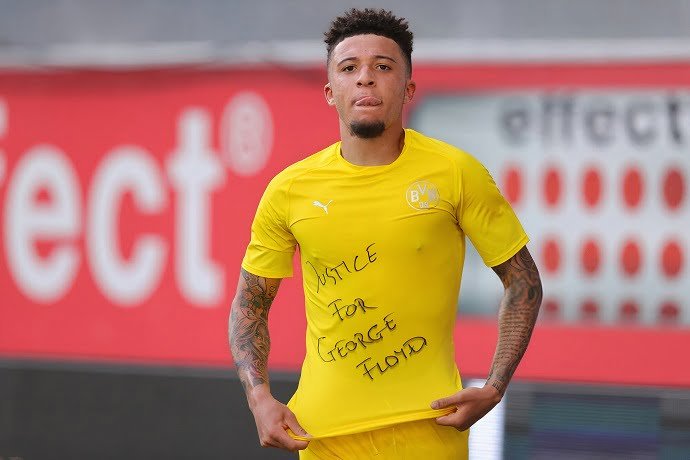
[[328, 93], [410, 88]]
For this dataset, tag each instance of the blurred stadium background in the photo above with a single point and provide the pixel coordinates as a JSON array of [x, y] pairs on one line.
[[137, 136]]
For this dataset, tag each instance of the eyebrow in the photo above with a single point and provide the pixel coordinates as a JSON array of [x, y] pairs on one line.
[[378, 56]]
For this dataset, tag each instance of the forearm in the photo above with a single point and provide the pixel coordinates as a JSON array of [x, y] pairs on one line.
[[517, 315], [250, 345], [249, 338]]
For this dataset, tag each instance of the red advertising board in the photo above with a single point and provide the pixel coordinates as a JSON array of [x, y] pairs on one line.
[[126, 200], [126, 204]]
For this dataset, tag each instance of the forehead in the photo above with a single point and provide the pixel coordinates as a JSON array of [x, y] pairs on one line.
[[363, 46]]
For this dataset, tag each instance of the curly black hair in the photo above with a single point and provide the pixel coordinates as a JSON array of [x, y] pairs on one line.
[[370, 21]]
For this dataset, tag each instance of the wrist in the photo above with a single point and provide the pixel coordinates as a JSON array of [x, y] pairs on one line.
[[497, 388], [256, 395]]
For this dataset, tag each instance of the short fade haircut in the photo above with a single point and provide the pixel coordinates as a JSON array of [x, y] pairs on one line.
[[370, 21]]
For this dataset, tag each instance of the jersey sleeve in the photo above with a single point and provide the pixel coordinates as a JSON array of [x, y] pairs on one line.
[[272, 245], [485, 215]]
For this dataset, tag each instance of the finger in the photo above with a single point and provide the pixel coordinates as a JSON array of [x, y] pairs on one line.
[[448, 420], [440, 403], [455, 420], [297, 445], [295, 436], [294, 426], [452, 400], [268, 442], [284, 441]]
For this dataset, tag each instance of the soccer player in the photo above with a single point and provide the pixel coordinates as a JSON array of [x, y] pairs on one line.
[[380, 218]]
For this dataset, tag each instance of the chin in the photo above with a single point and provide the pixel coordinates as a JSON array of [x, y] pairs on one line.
[[367, 129]]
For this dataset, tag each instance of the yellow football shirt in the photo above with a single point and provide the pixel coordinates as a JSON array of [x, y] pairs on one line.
[[382, 250]]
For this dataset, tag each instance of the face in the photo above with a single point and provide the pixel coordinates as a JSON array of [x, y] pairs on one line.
[[368, 84]]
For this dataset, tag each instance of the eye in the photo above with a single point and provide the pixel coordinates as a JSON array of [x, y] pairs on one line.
[[383, 67], [348, 68]]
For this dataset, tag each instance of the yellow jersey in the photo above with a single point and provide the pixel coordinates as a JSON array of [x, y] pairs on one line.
[[382, 250]]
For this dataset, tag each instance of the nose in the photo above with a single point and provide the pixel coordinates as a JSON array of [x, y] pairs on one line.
[[365, 77]]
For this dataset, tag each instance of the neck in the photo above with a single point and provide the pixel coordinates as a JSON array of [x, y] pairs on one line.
[[381, 150]]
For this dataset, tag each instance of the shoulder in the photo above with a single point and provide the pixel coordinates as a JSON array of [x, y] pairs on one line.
[[456, 157], [313, 162]]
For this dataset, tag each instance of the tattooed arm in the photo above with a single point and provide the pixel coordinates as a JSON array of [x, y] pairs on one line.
[[250, 344], [517, 315]]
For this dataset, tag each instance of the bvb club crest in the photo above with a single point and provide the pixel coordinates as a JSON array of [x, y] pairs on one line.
[[422, 195]]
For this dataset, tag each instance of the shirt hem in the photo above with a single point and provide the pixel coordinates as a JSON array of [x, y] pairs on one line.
[[378, 424]]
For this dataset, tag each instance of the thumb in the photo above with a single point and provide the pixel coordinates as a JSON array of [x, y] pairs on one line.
[[294, 426], [447, 419]]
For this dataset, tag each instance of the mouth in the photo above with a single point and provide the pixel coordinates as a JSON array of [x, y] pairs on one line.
[[368, 101]]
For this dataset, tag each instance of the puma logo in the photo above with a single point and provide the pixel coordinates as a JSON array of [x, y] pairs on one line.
[[319, 204]]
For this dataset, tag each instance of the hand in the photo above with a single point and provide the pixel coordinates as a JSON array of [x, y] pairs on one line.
[[272, 420], [471, 405]]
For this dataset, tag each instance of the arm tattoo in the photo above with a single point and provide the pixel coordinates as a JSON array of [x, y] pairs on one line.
[[517, 315], [248, 329]]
